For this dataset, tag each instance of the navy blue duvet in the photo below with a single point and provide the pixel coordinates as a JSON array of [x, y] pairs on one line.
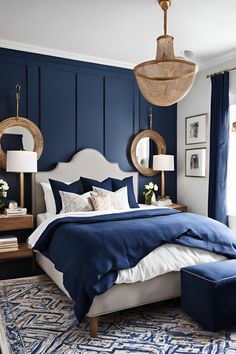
[[90, 251]]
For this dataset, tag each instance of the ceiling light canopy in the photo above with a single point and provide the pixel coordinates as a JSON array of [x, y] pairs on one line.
[[167, 79]]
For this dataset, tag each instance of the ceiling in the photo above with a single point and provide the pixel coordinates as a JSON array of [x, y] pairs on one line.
[[118, 32]]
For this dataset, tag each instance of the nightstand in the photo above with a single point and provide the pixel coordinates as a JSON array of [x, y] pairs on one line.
[[179, 207], [22, 252], [19, 222]]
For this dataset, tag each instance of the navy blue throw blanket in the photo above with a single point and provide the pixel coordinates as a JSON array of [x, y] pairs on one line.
[[90, 251]]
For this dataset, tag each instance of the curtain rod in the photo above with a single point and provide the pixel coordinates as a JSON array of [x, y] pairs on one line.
[[221, 72]]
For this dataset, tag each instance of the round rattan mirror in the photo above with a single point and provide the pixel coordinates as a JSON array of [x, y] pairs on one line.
[[17, 133], [144, 145]]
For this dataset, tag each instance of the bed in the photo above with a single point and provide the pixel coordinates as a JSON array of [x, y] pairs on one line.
[[90, 163]]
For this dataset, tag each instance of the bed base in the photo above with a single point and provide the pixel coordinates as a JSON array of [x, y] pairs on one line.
[[115, 299]]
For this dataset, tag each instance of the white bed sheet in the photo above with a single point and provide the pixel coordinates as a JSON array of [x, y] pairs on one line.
[[164, 259], [43, 216]]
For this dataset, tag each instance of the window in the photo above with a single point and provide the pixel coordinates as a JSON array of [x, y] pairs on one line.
[[231, 180]]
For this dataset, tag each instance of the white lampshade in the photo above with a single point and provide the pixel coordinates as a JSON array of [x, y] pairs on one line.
[[21, 161], [163, 163]]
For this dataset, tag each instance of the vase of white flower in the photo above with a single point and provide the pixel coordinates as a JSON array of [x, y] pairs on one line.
[[3, 193], [149, 193]]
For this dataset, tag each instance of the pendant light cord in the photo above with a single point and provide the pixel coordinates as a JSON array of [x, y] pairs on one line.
[[17, 99], [165, 22], [165, 4], [150, 118]]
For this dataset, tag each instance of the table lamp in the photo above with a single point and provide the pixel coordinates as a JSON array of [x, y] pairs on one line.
[[163, 163], [21, 162]]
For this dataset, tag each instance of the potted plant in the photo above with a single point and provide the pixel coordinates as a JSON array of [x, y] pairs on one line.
[[149, 192]]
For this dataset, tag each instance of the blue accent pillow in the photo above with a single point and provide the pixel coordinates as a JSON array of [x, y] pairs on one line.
[[88, 184], [57, 186], [126, 182]]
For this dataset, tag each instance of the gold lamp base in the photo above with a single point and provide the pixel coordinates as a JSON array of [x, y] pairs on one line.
[[162, 185], [22, 190]]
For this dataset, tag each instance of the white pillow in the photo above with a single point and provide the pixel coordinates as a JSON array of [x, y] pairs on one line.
[[49, 198], [119, 199], [72, 202]]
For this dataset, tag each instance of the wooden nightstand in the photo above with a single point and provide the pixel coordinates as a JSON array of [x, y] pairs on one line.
[[179, 207], [22, 252], [20, 222]]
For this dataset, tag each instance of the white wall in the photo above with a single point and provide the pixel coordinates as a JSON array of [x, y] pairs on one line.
[[193, 191]]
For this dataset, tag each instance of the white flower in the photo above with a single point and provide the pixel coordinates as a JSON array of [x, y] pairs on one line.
[[5, 186], [151, 187]]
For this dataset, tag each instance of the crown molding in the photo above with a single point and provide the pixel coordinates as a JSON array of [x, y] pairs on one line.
[[63, 54], [211, 63], [218, 60]]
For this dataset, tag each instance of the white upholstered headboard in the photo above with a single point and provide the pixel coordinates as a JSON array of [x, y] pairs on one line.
[[88, 163]]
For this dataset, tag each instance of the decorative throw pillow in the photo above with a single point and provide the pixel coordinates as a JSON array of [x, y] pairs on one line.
[[88, 184], [126, 182], [119, 199], [57, 186], [72, 202], [101, 202], [48, 198]]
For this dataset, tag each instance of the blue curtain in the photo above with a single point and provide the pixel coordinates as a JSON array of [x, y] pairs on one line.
[[219, 136]]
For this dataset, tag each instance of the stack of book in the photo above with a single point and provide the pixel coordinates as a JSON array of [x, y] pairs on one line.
[[18, 211], [8, 244]]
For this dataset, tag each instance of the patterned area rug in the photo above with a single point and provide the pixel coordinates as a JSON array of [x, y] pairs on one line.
[[36, 317]]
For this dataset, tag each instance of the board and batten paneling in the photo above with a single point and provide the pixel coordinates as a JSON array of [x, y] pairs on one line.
[[119, 119], [90, 111], [57, 115], [79, 105]]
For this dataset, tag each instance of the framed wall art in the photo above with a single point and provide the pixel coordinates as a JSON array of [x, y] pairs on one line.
[[196, 129], [195, 162]]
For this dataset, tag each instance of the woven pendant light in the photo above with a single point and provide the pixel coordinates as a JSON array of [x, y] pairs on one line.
[[167, 79]]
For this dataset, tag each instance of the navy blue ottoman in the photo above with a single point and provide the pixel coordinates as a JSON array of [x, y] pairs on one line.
[[208, 293]]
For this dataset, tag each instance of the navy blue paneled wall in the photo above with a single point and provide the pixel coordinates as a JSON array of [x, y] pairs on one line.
[[78, 105]]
